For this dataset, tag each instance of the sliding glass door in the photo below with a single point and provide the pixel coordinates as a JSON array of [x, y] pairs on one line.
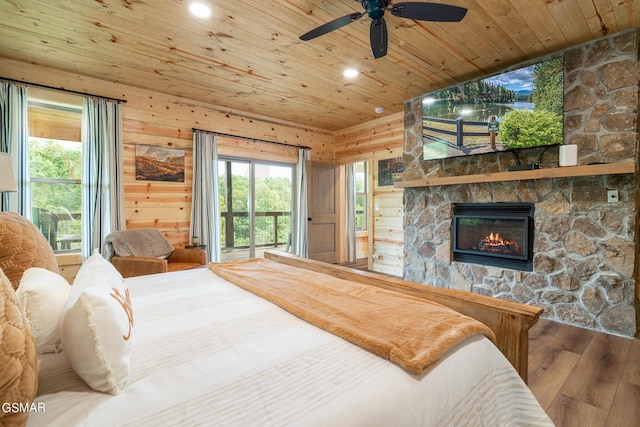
[[256, 205]]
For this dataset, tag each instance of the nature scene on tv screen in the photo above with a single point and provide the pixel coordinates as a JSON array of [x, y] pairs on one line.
[[521, 108]]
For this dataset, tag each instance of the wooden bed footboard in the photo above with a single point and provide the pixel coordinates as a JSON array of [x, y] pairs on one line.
[[509, 321]]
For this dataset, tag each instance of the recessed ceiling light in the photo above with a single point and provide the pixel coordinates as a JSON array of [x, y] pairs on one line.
[[379, 110], [350, 73], [200, 10]]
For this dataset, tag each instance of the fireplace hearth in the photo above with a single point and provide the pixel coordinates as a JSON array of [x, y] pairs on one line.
[[496, 234]]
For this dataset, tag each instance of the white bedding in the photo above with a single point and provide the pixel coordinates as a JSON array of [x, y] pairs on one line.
[[209, 353]]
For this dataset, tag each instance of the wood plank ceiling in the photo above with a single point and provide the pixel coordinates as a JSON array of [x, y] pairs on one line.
[[247, 56]]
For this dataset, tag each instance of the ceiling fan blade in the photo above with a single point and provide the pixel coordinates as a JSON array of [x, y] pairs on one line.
[[429, 11], [379, 38], [331, 26]]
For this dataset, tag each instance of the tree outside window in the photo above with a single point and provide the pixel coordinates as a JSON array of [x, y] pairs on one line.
[[361, 195], [55, 169], [255, 193]]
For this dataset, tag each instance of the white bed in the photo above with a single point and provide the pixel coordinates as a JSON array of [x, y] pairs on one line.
[[206, 352]]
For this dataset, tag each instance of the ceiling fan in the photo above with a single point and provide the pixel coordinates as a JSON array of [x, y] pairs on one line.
[[375, 9]]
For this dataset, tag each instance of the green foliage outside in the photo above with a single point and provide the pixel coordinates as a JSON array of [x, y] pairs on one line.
[[361, 218], [273, 194], [51, 159], [361, 197], [54, 159], [524, 128]]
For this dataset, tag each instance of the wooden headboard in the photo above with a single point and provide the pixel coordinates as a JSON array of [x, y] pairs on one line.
[[509, 321]]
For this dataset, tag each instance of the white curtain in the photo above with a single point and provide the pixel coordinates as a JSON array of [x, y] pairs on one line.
[[301, 226], [14, 139], [102, 174], [350, 207], [205, 209]]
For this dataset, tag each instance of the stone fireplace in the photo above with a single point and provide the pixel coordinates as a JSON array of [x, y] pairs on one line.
[[583, 269]]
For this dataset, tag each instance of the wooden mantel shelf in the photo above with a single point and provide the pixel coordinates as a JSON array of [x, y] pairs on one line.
[[559, 172]]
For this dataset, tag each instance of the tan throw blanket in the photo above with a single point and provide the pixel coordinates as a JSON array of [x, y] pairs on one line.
[[412, 332]]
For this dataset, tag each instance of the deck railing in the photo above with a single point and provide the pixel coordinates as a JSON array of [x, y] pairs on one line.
[[269, 236], [459, 133]]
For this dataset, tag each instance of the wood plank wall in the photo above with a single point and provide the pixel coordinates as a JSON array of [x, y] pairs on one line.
[[153, 118], [373, 141]]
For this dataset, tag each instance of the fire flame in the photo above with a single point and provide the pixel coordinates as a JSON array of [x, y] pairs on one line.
[[496, 240]]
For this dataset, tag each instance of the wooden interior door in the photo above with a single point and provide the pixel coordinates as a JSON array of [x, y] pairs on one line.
[[322, 200]]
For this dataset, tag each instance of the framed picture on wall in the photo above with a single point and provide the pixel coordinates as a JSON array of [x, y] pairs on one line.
[[159, 163], [389, 171]]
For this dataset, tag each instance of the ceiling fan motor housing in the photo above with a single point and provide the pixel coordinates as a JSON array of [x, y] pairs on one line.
[[375, 8]]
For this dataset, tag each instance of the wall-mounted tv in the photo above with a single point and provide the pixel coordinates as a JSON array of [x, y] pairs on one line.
[[520, 108]]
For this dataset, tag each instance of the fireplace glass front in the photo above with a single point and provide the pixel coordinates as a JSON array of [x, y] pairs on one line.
[[497, 234]]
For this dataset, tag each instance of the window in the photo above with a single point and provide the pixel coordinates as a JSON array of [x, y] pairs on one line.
[[361, 195], [256, 201], [55, 169]]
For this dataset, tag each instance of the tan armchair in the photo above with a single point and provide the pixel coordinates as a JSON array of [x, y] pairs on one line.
[[143, 251]]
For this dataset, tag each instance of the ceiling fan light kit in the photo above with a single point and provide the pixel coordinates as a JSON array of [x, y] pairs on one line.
[[375, 9]]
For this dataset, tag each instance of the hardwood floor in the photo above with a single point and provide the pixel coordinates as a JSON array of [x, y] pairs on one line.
[[359, 264], [584, 378], [581, 377]]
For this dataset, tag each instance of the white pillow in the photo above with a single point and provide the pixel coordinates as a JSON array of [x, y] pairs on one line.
[[95, 266], [96, 326], [42, 295]]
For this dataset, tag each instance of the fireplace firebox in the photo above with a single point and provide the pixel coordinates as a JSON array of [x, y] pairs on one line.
[[496, 234]]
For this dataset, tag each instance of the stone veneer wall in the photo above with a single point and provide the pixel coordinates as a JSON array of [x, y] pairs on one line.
[[585, 250]]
